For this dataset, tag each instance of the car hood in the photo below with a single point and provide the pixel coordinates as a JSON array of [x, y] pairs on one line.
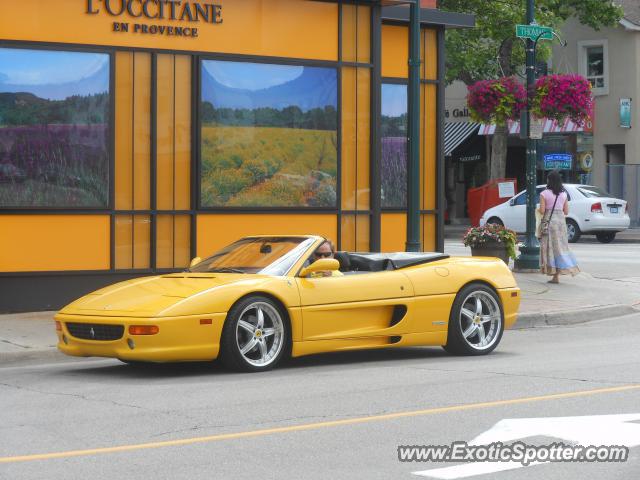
[[149, 296]]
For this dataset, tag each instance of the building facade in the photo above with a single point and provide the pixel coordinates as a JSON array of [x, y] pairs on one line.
[[138, 134], [609, 59]]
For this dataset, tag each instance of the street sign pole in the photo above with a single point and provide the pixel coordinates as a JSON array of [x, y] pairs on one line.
[[413, 172], [530, 254]]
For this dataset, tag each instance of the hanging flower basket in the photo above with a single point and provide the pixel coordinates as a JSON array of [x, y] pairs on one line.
[[563, 96], [496, 101]]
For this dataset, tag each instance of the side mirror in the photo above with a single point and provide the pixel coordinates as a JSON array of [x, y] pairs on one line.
[[322, 265], [195, 261], [512, 202]]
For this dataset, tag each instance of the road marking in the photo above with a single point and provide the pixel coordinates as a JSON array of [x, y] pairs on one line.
[[584, 430], [313, 426]]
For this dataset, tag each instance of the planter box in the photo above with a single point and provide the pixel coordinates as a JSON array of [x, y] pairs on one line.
[[491, 249]]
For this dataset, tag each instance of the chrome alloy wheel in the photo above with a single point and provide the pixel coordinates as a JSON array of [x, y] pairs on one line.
[[480, 320], [259, 334]]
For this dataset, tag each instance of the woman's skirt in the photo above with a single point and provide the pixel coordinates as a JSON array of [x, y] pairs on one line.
[[555, 256]]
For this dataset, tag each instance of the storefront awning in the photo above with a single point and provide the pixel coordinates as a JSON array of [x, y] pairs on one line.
[[455, 133], [550, 126]]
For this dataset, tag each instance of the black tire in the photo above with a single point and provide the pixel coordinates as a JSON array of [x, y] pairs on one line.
[[232, 334], [456, 342], [573, 231], [495, 221], [606, 237]]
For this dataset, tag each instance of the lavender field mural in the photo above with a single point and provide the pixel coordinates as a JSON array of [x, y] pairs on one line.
[[54, 129], [393, 170]]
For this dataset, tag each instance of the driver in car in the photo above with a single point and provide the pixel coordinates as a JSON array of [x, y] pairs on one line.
[[325, 250]]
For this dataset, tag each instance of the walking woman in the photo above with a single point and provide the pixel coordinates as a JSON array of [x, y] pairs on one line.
[[555, 257]]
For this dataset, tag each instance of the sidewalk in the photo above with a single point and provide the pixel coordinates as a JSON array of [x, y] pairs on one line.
[[631, 235], [579, 299]]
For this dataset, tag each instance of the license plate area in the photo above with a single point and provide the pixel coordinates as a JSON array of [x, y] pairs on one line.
[[613, 209]]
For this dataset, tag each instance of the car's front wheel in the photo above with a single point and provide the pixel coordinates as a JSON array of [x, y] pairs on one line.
[[255, 336], [476, 322], [495, 221], [573, 231], [606, 237]]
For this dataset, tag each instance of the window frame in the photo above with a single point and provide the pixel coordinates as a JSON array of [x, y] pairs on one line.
[[111, 138], [583, 48], [197, 128]]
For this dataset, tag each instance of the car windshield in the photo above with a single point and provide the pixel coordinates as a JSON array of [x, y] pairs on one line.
[[593, 192], [264, 255]]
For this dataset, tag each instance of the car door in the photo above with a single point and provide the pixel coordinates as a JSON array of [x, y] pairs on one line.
[[354, 305], [515, 211]]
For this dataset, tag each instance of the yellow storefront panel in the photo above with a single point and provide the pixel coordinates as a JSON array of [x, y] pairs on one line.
[[182, 241], [428, 223], [429, 146], [364, 33], [349, 35], [395, 51], [216, 231], [54, 242], [142, 131], [124, 131], [363, 138], [355, 233], [393, 237], [253, 27], [166, 138], [132, 242], [182, 127], [141, 241], [430, 54], [123, 242], [165, 239]]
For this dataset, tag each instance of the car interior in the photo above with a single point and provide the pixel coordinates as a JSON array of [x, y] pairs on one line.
[[354, 263]]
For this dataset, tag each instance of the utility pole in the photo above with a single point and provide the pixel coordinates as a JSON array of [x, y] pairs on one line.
[[530, 254], [413, 167]]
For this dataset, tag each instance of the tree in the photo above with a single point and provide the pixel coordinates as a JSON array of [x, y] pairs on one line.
[[492, 50]]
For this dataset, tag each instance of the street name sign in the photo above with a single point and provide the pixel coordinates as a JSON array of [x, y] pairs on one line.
[[532, 32]]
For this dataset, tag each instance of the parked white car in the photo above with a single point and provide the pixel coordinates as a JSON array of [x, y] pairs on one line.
[[592, 211]]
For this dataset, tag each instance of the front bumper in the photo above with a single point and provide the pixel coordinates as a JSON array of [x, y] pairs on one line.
[[179, 339]]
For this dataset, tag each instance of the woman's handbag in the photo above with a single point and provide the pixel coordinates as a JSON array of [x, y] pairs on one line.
[[538, 222], [544, 224]]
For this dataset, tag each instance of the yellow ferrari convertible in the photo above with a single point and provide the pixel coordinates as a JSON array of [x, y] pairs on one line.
[[265, 298]]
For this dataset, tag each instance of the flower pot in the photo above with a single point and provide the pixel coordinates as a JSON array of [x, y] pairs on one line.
[[491, 248]]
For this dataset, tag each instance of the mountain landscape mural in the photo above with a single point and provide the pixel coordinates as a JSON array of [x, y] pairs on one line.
[[54, 129], [269, 139]]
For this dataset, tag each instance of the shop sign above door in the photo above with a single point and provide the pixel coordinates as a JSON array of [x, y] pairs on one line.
[[127, 12]]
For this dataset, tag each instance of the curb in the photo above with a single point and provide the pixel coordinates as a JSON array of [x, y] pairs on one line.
[[9, 358], [572, 317]]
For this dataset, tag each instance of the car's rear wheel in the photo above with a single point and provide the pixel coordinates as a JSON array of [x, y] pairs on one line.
[[255, 336], [495, 221], [573, 231], [476, 322], [606, 237]]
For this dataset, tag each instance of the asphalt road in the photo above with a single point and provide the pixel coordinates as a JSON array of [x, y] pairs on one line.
[[611, 261], [338, 416]]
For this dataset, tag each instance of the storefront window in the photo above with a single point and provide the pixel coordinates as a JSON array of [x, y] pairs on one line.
[[268, 135], [393, 170], [54, 129]]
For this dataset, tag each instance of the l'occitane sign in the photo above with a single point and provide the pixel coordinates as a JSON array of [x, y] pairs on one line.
[[250, 27], [157, 10]]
